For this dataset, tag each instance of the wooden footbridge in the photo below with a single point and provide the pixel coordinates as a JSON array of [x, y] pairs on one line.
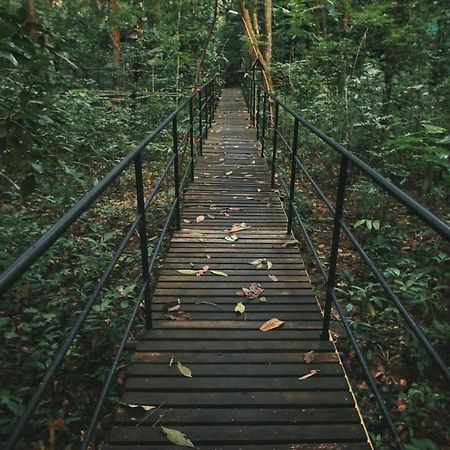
[[245, 390], [237, 354]]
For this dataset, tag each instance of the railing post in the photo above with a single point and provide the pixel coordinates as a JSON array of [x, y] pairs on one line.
[[275, 143], [293, 174], [334, 246], [258, 95], [253, 95], [143, 240], [206, 110], [263, 132], [200, 125], [191, 135], [211, 102], [176, 171]]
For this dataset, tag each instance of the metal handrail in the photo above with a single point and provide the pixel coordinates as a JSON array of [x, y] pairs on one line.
[[254, 93], [203, 115]]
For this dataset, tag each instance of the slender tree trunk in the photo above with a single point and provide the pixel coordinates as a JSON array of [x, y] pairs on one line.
[[255, 18], [31, 15], [115, 36], [268, 30], [205, 45], [254, 46]]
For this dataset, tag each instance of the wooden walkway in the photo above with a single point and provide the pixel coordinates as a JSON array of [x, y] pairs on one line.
[[245, 391]]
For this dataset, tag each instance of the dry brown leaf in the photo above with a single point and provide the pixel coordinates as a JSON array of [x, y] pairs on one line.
[[202, 271], [309, 375], [239, 227], [179, 315], [185, 371], [309, 357], [271, 324], [273, 277], [199, 219], [253, 291], [172, 306]]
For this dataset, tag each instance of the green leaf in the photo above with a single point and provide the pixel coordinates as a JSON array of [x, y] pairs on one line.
[[219, 272], [187, 271], [177, 437], [9, 57]]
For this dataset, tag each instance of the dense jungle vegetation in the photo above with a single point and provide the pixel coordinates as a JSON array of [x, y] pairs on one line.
[[81, 82]]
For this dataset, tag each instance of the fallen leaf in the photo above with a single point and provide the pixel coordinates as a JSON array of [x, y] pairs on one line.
[[231, 238], [199, 219], [219, 272], [290, 243], [234, 208], [269, 264], [221, 159], [308, 375], [186, 221], [273, 277], [239, 308], [208, 256], [202, 271], [172, 306], [177, 437], [210, 216], [184, 370], [261, 263], [239, 227], [263, 299], [187, 271], [253, 291], [144, 407], [171, 361], [179, 315], [271, 324], [228, 173], [309, 357]]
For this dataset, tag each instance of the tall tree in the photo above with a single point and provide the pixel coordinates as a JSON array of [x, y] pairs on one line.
[[115, 35], [255, 51], [268, 31]]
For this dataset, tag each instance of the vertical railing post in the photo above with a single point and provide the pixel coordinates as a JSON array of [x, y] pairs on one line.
[[211, 102], [275, 143], [253, 95], [334, 246], [143, 240], [200, 125], [263, 132], [206, 110], [176, 171], [293, 174], [191, 135], [258, 95]]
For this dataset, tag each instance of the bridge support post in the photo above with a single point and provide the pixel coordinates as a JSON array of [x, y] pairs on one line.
[[253, 90], [257, 100], [200, 125], [191, 136], [176, 171], [274, 145], [293, 175], [143, 240], [335, 246], [263, 131], [206, 110]]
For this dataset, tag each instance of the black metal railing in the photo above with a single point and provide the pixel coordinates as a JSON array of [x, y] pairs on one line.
[[264, 108], [199, 108]]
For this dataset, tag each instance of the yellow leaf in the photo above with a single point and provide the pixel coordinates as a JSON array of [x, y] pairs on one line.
[[308, 375], [219, 272], [184, 370], [240, 308], [271, 324], [187, 271], [177, 437], [269, 264], [228, 173]]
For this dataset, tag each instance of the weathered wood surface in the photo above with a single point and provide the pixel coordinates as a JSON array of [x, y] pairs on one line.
[[245, 391]]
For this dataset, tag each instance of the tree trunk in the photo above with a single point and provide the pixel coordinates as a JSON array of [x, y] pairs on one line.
[[254, 47], [115, 35], [268, 30], [205, 45], [31, 15]]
